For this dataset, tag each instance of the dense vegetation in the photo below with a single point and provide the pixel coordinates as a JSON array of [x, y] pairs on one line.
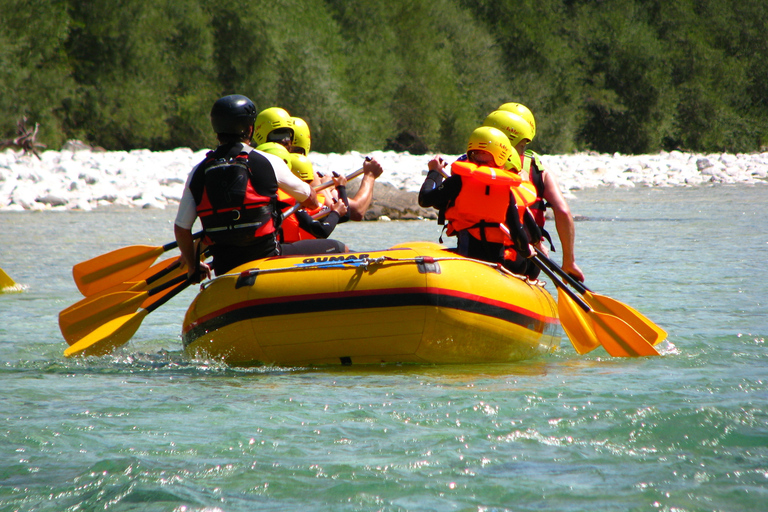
[[634, 76]]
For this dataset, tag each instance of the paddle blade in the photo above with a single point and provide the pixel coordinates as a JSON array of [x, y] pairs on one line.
[[82, 318], [7, 284], [113, 268], [652, 333], [576, 324], [108, 337], [618, 338]]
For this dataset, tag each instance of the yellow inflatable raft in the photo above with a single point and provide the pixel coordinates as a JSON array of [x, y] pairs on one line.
[[413, 303]]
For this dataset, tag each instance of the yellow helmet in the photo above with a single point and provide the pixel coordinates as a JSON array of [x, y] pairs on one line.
[[522, 111], [514, 162], [269, 120], [492, 140], [273, 148], [302, 167], [514, 126], [301, 138]]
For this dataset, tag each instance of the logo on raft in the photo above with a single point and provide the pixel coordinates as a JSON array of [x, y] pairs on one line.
[[327, 259]]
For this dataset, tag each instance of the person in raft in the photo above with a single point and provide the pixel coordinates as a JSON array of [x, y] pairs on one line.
[[303, 224], [234, 193], [276, 125], [547, 188], [480, 196]]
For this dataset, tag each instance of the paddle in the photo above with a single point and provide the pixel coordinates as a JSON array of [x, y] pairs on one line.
[[118, 331], [290, 211], [115, 267], [6, 282], [646, 328], [81, 319], [613, 333]]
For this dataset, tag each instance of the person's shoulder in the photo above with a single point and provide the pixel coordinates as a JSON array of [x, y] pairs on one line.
[[536, 162], [262, 158]]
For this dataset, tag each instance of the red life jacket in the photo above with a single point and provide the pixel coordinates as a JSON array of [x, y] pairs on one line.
[[230, 208], [484, 199], [291, 230]]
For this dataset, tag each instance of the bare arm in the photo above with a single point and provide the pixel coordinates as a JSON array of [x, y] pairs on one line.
[[566, 230], [359, 204], [189, 255]]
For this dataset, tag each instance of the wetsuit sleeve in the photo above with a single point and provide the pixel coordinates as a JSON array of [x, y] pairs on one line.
[[438, 193], [516, 229], [343, 196], [532, 228], [185, 217], [319, 228]]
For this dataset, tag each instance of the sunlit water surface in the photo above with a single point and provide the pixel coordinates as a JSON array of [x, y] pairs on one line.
[[148, 429]]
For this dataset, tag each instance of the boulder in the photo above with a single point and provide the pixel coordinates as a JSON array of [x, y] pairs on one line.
[[392, 202]]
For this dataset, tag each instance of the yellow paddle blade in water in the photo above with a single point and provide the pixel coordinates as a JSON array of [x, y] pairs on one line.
[[618, 338], [652, 333], [108, 337], [113, 268], [576, 324], [7, 284], [81, 319]]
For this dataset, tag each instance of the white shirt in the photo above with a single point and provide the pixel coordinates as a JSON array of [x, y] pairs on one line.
[[286, 181]]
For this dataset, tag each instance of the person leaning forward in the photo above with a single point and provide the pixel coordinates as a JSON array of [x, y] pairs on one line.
[[234, 193]]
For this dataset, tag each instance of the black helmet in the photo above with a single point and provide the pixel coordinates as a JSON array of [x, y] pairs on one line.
[[233, 114]]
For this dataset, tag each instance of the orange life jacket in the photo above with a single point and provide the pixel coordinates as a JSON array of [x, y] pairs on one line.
[[291, 230], [484, 199]]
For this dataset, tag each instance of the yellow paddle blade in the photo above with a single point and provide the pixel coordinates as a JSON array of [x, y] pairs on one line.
[[652, 333], [139, 283], [576, 324], [81, 319], [113, 268], [618, 338], [7, 284], [108, 337]]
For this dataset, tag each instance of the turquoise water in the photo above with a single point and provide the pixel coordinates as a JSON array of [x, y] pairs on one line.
[[147, 429]]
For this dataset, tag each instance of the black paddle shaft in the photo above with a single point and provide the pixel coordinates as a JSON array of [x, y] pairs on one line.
[[580, 287], [538, 259]]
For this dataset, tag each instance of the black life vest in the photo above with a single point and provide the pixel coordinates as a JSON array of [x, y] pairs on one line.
[[232, 207]]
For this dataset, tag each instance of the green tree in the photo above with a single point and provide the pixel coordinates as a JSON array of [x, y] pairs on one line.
[[140, 73], [35, 77], [626, 80], [541, 65]]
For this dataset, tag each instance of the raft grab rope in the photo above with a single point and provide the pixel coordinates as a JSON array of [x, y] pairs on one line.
[[426, 264]]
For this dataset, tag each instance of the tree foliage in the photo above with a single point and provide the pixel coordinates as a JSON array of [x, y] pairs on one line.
[[633, 76]]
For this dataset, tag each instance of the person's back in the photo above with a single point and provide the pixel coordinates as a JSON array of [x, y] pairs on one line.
[[233, 191], [480, 196]]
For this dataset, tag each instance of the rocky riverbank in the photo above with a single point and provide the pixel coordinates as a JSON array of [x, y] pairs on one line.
[[79, 177]]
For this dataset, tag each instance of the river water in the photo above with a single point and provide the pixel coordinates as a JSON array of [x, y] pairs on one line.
[[148, 429]]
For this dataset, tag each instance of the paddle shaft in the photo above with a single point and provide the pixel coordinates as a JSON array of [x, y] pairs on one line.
[[184, 284], [580, 287], [290, 211], [539, 260]]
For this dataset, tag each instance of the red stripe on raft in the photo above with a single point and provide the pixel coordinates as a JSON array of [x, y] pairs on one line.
[[368, 293]]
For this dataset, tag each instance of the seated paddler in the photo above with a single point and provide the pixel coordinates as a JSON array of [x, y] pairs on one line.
[[482, 193], [234, 193], [306, 231]]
